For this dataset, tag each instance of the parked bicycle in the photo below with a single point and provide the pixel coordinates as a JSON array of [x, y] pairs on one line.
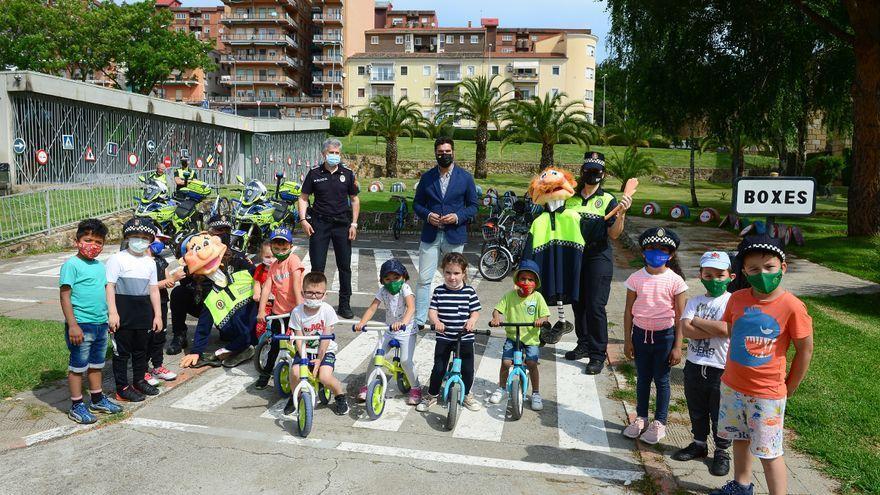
[[399, 222], [504, 238]]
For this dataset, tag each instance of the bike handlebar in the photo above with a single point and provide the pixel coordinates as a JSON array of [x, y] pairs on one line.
[[331, 336], [372, 326], [519, 325]]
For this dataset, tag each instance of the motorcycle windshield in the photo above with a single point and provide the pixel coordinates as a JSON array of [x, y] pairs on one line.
[[152, 192], [253, 191]]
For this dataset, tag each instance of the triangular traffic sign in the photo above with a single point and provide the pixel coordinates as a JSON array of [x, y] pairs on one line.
[[90, 155]]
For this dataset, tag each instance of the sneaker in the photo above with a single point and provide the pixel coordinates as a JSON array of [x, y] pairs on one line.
[[471, 403], [635, 428], [362, 394], [105, 406], [656, 431], [496, 396], [151, 379], [163, 373], [720, 463], [734, 488], [207, 359], [537, 402], [414, 397], [129, 394], [262, 382], [176, 345], [579, 352], [341, 405], [288, 407], [80, 414], [235, 359], [428, 400], [145, 388], [691, 452], [344, 311], [594, 367]]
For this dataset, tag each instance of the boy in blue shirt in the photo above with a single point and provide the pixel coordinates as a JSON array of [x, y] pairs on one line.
[[84, 305]]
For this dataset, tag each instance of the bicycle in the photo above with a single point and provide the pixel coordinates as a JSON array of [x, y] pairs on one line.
[[518, 377], [377, 382], [399, 221], [504, 238], [453, 385]]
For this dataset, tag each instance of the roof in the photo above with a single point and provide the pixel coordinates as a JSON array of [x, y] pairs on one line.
[[543, 30], [465, 55], [412, 12], [167, 3], [426, 29]]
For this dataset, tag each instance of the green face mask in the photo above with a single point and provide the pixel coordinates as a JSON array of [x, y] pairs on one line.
[[765, 283], [715, 287], [282, 256], [394, 287]]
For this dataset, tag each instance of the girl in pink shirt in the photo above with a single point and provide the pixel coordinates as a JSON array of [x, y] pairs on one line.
[[655, 298]]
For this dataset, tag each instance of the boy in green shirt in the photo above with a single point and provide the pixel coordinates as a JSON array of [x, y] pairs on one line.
[[522, 305]]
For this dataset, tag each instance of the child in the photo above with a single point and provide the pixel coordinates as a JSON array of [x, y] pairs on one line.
[[655, 298], [763, 321], [261, 274], [285, 283], [315, 317], [454, 309], [157, 340], [522, 305], [707, 351], [133, 299], [84, 305], [400, 306]]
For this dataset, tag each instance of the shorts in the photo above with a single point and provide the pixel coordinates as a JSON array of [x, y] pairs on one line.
[[329, 360], [743, 417], [531, 352], [92, 351]]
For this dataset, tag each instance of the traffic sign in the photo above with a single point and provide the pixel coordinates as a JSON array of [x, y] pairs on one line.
[[67, 141], [19, 145], [199, 163], [184, 153], [132, 159], [112, 149], [774, 196], [289, 160], [210, 160], [219, 148], [151, 146], [42, 157], [220, 168], [166, 161], [90, 154], [257, 160]]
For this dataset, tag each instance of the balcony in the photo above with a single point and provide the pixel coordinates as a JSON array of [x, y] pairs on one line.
[[326, 18], [251, 80], [272, 100], [259, 39], [323, 59], [321, 79], [448, 77], [327, 38], [382, 77], [524, 76], [180, 82], [259, 59], [259, 18]]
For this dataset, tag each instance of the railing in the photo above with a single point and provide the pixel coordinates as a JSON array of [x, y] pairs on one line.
[[35, 212], [448, 75], [327, 17], [237, 59], [524, 75], [256, 79], [326, 79], [267, 38], [258, 17], [382, 77], [272, 100], [327, 60], [327, 38]]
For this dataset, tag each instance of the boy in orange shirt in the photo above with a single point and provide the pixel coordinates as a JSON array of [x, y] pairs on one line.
[[763, 321], [285, 284]]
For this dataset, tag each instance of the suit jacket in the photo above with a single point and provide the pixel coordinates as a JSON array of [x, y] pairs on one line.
[[461, 199]]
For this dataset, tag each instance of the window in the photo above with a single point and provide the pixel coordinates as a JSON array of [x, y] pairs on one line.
[[361, 70], [506, 50], [398, 40], [588, 95], [426, 93], [475, 39], [404, 70], [471, 70], [494, 70], [426, 70], [180, 15], [534, 37], [555, 70], [591, 51], [461, 39], [554, 91], [374, 40], [206, 17], [404, 92], [590, 117], [591, 73], [207, 30], [450, 39], [418, 41], [507, 37], [424, 20], [396, 21]]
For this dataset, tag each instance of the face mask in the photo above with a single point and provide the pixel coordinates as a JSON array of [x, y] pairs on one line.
[[765, 283], [268, 261], [333, 160], [655, 258], [592, 177], [394, 287], [90, 250], [282, 256], [716, 287], [156, 247], [444, 160], [225, 238], [526, 287], [312, 303], [138, 245]]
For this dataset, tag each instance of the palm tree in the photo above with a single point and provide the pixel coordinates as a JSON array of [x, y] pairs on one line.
[[547, 121], [698, 146], [440, 125], [390, 120], [632, 133], [480, 101], [632, 164]]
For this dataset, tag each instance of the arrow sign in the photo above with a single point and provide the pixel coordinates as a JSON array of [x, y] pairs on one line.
[[42, 157], [151, 146], [19, 146], [67, 141], [199, 162], [132, 159], [90, 155], [112, 149], [219, 148]]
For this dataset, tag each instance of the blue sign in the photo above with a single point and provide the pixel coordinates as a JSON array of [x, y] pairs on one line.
[[151, 146], [19, 146], [67, 141], [112, 149]]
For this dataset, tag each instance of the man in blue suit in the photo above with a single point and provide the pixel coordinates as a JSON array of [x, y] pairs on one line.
[[446, 199]]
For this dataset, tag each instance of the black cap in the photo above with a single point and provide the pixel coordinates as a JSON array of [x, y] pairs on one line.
[[219, 222], [593, 160], [137, 225], [659, 235], [761, 243]]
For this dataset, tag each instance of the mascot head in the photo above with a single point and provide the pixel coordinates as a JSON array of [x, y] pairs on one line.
[[552, 187], [203, 253]]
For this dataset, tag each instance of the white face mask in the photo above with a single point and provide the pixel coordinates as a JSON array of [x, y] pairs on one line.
[[268, 261], [138, 245], [312, 303]]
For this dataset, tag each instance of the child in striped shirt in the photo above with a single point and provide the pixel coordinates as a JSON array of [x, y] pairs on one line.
[[454, 309]]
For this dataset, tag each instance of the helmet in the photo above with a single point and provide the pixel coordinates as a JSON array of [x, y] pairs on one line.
[[392, 266], [529, 266]]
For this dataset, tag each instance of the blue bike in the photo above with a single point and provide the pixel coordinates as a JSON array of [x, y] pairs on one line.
[[518, 377], [453, 385], [399, 221]]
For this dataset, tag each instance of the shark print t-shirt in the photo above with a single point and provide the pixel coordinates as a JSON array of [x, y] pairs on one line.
[[712, 351], [760, 335]]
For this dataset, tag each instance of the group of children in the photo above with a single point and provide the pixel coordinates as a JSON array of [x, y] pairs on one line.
[[735, 377]]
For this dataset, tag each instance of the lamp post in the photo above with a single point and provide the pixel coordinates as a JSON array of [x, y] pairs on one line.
[[234, 76], [604, 97]]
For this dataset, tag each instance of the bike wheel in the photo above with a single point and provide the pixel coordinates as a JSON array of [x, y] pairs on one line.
[[375, 398], [223, 207], [515, 404], [324, 394], [281, 375], [454, 405], [494, 264], [305, 413], [403, 383], [261, 353]]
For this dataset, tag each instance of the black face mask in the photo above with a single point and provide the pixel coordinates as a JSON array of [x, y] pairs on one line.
[[592, 177], [225, 238], [444, 160]]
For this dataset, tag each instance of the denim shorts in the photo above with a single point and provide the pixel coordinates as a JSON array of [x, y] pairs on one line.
[[91, 352], [530, 352]]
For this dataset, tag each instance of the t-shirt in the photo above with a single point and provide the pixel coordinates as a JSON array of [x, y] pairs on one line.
[[654, 308], [331, 191], [527, 309], [320, 323], [454, 307], [712, 351], [86, 279], [261, 273], [133, 276], [759, 338], [286, 283], [161, 266], [395, 307]]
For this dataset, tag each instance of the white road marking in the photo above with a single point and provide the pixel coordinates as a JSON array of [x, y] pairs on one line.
[[355, 254], [51, 433], [474, 277], [459, 459], [41, 287], [216, 392], [54, 271], [14, 299], [580, 422], [381, 256], [487, 424]]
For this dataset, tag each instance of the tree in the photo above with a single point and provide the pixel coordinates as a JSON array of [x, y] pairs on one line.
[[547, 121], [631, 132], [440, 125], [481, 101], [390, 120], [611, 89], [25, 43], [698, 146], [632, 164]]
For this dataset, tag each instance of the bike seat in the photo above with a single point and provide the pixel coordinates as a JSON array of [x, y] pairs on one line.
[[394, 343]]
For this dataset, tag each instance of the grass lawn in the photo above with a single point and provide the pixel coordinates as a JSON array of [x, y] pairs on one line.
[[423, 149], [834, 412], [32, 354]]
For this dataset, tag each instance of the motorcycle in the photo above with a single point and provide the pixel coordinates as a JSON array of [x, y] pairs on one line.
[[176, 217], [255, 215]]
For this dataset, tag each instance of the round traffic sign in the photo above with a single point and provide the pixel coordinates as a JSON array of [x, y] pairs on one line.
[[132, 159], [289, 161], [42, 157], [19, 146], [166, 161], [220, 168], [151, 146], [199, 163], [219, 147]]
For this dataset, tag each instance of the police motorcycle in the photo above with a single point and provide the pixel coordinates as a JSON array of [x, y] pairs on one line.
[[176, 217], [255, 215]]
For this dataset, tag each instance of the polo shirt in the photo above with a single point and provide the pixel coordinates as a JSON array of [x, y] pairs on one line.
[[331, 190]]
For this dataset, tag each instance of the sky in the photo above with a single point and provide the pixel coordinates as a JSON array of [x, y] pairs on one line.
[[572, 14]]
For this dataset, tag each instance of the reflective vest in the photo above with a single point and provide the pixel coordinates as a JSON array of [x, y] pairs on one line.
[[223, 303], [187, 174], [557, 245], [595, 207]]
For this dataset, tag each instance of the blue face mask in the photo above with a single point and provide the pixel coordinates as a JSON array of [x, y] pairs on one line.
[[157, 247], [655, 258], [333, 160]]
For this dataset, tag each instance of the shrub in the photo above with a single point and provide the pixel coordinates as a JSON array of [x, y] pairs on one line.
[[470, 134], [825, 169], [659, 142], [340, 126]]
